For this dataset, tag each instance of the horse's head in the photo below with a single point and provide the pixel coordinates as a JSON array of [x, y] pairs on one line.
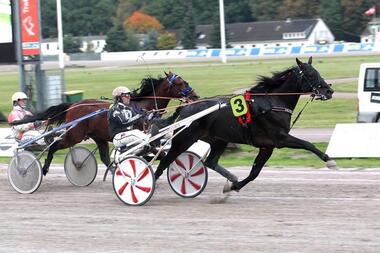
[[312, 81], [179, 88]]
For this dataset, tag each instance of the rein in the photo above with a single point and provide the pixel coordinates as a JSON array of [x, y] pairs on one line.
[[75, 106], [299, 114], [279, 94]]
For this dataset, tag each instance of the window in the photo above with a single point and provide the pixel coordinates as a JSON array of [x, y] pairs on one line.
[[371, 81], [202, 36]]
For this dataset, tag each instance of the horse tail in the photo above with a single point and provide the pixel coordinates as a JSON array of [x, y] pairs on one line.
[[55, 114]]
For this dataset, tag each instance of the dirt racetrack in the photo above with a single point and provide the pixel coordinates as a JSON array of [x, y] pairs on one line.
[[284, 210]]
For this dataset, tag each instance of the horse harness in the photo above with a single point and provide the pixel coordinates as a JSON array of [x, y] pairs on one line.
[[242, 109], [184, 93], [245, 118]]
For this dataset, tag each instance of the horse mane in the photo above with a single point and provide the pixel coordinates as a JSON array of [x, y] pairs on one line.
[[146, 88], [266, 83]]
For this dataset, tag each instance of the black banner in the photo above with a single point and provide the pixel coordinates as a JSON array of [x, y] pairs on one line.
[[375, 97]]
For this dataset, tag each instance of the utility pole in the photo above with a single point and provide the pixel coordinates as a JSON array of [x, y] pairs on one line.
[[222, 32], [21, 69], [60, 35]]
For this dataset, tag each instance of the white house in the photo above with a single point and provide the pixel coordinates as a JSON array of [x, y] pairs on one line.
[[371, 33], [89, 43], [296, 32]]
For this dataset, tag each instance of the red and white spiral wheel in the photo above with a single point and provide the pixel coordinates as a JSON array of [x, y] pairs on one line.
[[187, 175], [133, 181]]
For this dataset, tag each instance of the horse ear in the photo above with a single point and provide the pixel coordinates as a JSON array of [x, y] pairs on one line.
[[299, 63], [166, 74], [310, 60]]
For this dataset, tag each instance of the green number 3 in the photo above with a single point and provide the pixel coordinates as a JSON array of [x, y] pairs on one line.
[[238, 106]]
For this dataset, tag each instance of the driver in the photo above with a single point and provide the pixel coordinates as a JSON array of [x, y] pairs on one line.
[[24, 132], [122, 118]]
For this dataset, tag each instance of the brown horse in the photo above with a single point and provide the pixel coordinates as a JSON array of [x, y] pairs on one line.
[[152, 94]]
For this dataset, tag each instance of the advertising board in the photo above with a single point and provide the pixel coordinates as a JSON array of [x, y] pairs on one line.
[[30, 29]]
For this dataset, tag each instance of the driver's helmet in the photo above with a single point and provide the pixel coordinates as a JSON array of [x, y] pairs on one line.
[[117, 92], [18, 95]]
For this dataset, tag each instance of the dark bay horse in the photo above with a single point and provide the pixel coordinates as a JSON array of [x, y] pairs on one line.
[[152, 94], [271, 116]]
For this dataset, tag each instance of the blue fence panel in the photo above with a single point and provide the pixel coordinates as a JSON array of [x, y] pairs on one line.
[[359, 47], [316, 49], [255, 51], [215, 53], [197, 53], [295, 50], [236, 52], [275, 50], [338, 48]]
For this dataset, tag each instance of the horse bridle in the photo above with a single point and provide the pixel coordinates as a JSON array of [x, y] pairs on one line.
[[184, 93], [314, 86]]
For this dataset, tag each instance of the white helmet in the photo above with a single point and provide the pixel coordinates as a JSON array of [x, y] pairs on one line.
[[117, 92], [19, 95]]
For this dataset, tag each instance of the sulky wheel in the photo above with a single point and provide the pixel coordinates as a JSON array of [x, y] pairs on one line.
[[25, 172], [187, 175], [133, 181], [80, 166]]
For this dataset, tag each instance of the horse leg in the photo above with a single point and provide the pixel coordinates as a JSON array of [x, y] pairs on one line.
[[260, 160], [103, 151], [104, 156], [217, 149], [179, 144], [53, 148], [293, 142], [68, 140]]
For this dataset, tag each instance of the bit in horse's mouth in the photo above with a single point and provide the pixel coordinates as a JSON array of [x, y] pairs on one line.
[[321, 97]]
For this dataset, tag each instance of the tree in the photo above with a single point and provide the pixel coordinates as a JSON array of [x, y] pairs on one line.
[[331, 13], [188, 29], [132, 41], [150, 42], [354, 21], [169, 12], [166, 41], [264, 10], [237, 11], [142, 23], [298, 9], [71, 45], [215, 33], [103, 12], [116, 39], [125, 8], [79, 17], [48, 19]]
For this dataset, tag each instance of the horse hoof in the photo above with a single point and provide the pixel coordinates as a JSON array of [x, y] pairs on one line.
[[45, 171], [331, 164], [233, 178], [227, 187]]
